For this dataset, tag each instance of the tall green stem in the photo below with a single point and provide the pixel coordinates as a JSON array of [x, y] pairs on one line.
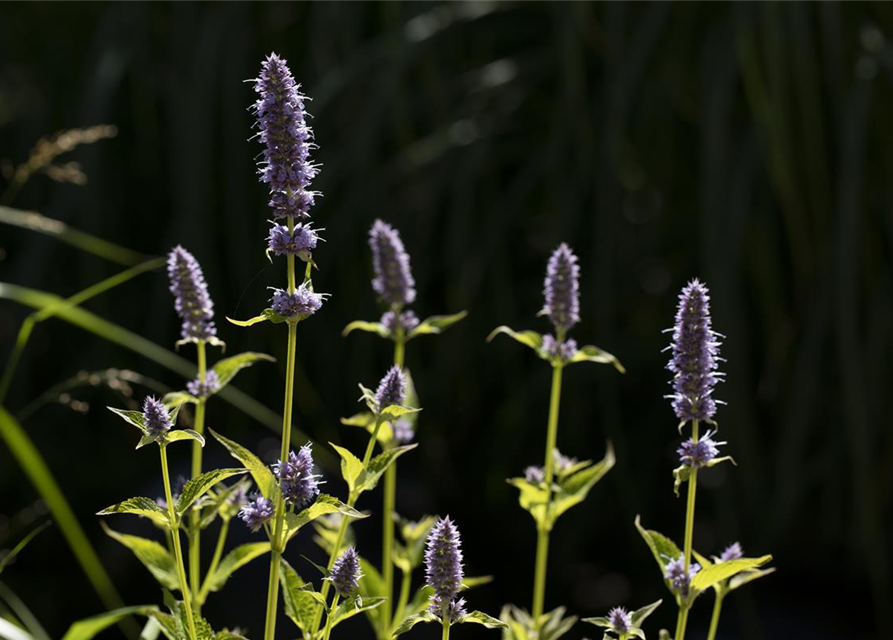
[[276, 544], [342, 530], [689, 531], [542, 541], [714, 619], [446, 626], [175, 534], [390, 498], [329, 617], [194, 528], [215, 560]]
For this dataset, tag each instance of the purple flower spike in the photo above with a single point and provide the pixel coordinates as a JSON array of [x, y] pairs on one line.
[[562, 350], [695, 356], [301, 241], [298, 483], [562, 288], [191, 299], [443, 568], [204, 389], [620, 620], [393, 278], [392, 388], [303, 302], [699, 454], [534, 474], [257, 512], [406, 321], [345, 574], [732, 552], [679, 579], [156, 417], [282, 123]]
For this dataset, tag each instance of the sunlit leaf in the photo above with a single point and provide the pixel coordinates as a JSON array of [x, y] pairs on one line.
[[435, 325], [145, 507], [227, 368], [198, 486], [234, 560], [263, 477], [369, 327], [87, 628], [154, 556]]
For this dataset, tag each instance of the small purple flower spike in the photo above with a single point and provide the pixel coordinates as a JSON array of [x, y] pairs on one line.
[[620, 620], [393, 278], [282, 124], [406, 321], [300, 242], [701, 453], [443, 568], [534, 474], [732, 552], [191, 299], [562, 288], [564, 350], [303, 302], [204, 389], [403, 431], [156, 417], [679, 579], [257, 512], [392, 388], [298, 483], [695, 358], [345, 574]]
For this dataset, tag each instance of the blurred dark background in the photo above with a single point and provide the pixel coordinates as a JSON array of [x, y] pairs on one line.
[[749, 145]]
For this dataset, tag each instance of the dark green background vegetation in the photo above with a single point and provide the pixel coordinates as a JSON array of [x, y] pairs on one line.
[[749, 145]]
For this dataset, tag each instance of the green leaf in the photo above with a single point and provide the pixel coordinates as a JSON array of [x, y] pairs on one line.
[[435, 325], [10, 555], [531, 339], [261, 473], [184, 434], [300, 606], [368, 478], [323, 505], [681, 474], [87, 628], [177, 398], [395, 411], [351, 466], [598, 621], [590, 353], [744, 577], [638, 616], [227, 368], [369, 327], [709, 576], [532, 497], [198, 486], [145, 507], [353, 606], [170, 626], [575, 488], [662, 548], [234, 560], [155, 557], [479, 617], [132, 417], [366, 420], [411, 621]]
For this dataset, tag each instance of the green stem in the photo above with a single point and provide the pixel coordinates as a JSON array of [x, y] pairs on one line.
[[405, 584], [342, 530], [195, 539], [276, 544], [689, 531], [542, 542], [446, 626], [330, 616], [218, 552], [714, 620], [175, 534]]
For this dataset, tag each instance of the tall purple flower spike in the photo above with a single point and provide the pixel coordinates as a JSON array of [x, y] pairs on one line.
[[282, 124], [695, 358], [392, 388], [393, 278], [156, 417], [191, 299], [345, 574], [562, 288], [298, 483], [443, 568]]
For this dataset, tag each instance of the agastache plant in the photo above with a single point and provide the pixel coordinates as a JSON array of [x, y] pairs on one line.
[[395, 289], [694, 364], [538, 495]]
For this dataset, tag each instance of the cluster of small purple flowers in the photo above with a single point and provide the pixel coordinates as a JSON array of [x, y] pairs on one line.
[[620, 620], [393, 278], [298, 483], [392, 388], [680, 580], [443, 569], [407, 321], [300, 241], [303, 302], [403, 431], [562, 289], [564, 351], [204, 388], [345, 574], [191, 299], [701, 453], [156, 418], [257, 512]]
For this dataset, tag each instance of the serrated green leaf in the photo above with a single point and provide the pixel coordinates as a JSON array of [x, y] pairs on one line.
[[410, 621], [662, 548], [369, 327], [234, 560], [155, 557], [134, 418], [591, 353], [198, 486], [353, 606], [87, 628], [575, 488], [323, 505], [531, 339], [709, 576], [227, 368], [263, 477], [177, 435], [435, 325], [145, 507], [300, 606], [146, 440], [479, 617], [638, 616], [369, 476], [351, 466]]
